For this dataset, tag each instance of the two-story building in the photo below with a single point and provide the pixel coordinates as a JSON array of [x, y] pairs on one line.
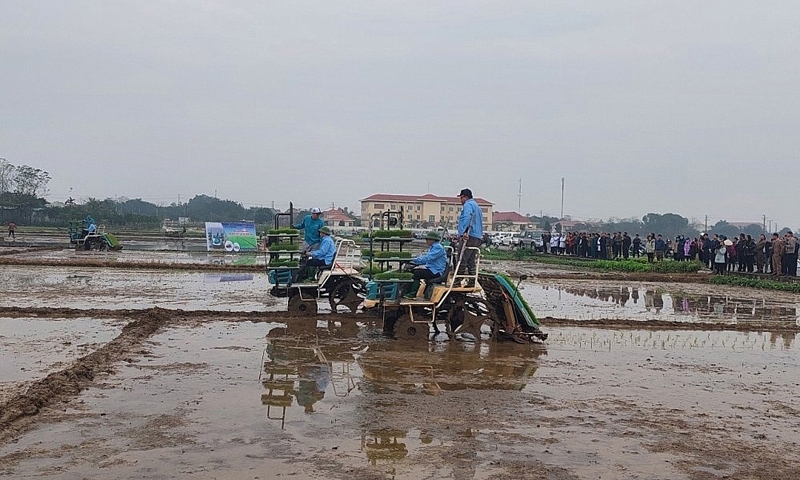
[[421, 211], [336, 217]]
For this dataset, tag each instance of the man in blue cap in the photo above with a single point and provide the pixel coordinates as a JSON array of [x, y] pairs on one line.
[[470, 231], [430, 265]]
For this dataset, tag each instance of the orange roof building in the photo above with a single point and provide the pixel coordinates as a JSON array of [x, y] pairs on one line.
[[510, 221]]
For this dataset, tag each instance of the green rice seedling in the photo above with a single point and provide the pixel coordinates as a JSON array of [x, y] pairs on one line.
[[394, 275], [284, 247], [392, 254], [284, 264]]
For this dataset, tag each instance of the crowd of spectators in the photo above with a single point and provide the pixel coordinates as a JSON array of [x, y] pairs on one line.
[[776, 255]]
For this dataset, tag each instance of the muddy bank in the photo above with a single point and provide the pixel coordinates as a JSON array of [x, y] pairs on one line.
[[194, 317], [113, 263], [31, 348], [63, 385]]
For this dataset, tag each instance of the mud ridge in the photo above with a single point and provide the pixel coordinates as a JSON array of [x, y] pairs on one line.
[[14, 251], [93, 262], [65, 384], [177, 315], [625, 276], [668, 325]]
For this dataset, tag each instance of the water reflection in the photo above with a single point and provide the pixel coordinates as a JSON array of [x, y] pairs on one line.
[[434, 368], [299, 371], [686, 306], [384, 444], [296, 373]]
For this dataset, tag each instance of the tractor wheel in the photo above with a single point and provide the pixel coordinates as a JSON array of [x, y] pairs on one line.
[[347, 293], [466, 316], [305, 307], [405, 329]]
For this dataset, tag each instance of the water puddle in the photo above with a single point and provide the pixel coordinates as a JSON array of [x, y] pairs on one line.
[[650, 303]]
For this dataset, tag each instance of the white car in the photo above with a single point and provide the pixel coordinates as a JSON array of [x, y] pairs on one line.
[[503, 239]]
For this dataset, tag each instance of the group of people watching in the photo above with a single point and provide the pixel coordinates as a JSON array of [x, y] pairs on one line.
[[776, 255]]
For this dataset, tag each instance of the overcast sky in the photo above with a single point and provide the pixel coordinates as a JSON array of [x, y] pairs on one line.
[[643, 106]]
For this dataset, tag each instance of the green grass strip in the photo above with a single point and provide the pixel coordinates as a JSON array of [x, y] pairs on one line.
[[760, 283], [631, 265]]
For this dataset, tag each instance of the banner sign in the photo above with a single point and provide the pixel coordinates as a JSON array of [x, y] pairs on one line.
[[231, 237]]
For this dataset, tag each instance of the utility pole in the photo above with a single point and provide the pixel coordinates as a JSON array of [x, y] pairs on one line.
[[562, 199], [765, 224], [705, 228], [519, 197]]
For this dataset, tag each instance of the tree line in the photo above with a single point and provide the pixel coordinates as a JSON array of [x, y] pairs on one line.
[[23, 188]]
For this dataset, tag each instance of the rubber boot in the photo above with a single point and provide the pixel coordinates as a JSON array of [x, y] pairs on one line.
[[309, 273], [412, 292]]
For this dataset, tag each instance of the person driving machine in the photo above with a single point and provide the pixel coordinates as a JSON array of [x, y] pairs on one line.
[[430, 265], [321, 257]]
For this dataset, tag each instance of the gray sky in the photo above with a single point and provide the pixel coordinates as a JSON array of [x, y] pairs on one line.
[[687, 107]]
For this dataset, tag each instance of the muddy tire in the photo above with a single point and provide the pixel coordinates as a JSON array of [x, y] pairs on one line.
[[405, 329], [304, 307], [346, 293], [466, 315]]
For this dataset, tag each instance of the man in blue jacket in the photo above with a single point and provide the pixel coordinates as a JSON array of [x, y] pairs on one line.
[[430, 265], [321, 257], [661, 247], [310, 226], [470, 231]]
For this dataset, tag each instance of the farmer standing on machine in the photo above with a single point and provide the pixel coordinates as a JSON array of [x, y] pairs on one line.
[[310, 225], [470, 231], [430, 265]]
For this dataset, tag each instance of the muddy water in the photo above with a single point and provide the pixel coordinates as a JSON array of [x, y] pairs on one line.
[[596, 300], [246, 401], [32, 348], [27, 286]]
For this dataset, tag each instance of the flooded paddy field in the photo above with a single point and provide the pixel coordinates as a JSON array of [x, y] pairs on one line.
[[112, 288], [219, 383]]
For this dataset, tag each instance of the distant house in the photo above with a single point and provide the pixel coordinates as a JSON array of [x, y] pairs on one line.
[[336, 217], [421, 211], [510, 222]]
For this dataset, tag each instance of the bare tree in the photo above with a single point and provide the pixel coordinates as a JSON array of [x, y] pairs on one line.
[[31, 181], [7, 174]]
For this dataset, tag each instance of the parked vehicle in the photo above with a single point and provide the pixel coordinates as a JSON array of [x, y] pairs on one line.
[[530, 239]]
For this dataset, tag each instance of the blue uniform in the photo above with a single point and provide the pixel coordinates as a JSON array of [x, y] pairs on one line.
[[471, 210], [435, 259], [326, 250], [310, 229]]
